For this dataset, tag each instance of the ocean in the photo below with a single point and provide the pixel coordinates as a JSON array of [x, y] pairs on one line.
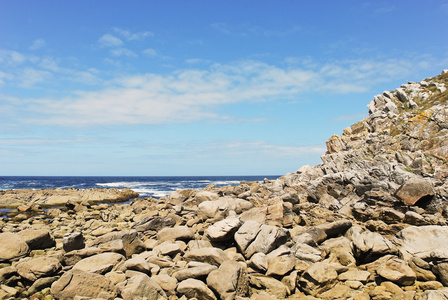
[[146, 186]]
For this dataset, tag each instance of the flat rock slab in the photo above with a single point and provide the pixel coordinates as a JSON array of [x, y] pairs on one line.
[[81, 283], [56, 197], [12, 246]]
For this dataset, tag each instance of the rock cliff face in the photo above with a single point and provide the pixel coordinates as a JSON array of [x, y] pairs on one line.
[[397, 157], [369, 222]]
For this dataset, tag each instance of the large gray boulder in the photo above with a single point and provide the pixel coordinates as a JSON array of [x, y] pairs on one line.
[[12, 247], [81, 283]]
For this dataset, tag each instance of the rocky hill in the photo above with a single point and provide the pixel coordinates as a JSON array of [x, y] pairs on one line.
[[369, 222]]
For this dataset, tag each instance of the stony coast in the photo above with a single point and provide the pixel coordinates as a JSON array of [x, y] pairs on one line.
[[369, 222], [56, 197]]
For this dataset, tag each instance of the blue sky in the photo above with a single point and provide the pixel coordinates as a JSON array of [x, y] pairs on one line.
[[199, 87]]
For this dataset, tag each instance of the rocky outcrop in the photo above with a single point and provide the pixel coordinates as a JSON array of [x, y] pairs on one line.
[[369, 222], [27, 199]]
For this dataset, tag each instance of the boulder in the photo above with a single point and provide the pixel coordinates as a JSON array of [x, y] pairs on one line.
[[415, 189], [131, 242], [36, 268], [42, 283], [368, 246], [100, 263], [338, 292], [141, 286], [193, 288], [224, 229], [175, 233], [422, 269], [421, 241], [258, 261], [137, 263], [220, 209], [194, 272], [267, 239], [155, 223], [168, 248], [246, 234], [37, 239], [229, 281], [338, 250], [434, 295], [9, 275], [213, 256], [73, 241], [166, 282], [12, 247], [81, 283], [353, 275], [262, 283], [397, 271], [318, 278], [281, 265], [202, 196], [305, 252]]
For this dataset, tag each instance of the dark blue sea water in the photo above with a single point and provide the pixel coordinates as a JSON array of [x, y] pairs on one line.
[[146, 186]]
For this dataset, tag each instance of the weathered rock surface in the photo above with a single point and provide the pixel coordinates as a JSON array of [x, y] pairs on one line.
[[12, 247], [81, 283]]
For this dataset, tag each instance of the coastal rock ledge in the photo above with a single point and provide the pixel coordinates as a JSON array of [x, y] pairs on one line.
[[57, 197], [369, 222]]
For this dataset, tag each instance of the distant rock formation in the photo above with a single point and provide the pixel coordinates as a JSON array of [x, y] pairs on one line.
[[369, 222], [56, 197]]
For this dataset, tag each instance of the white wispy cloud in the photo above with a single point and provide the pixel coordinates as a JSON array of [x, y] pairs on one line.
[[126, 34], [195, 94], [123, 52], [37, 44], [10, 57], [32, 76], [109, 40], [244, 30], [150, 52]]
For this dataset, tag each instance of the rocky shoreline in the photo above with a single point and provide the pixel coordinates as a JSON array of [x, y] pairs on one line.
[[369, 222], [25, 199]]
